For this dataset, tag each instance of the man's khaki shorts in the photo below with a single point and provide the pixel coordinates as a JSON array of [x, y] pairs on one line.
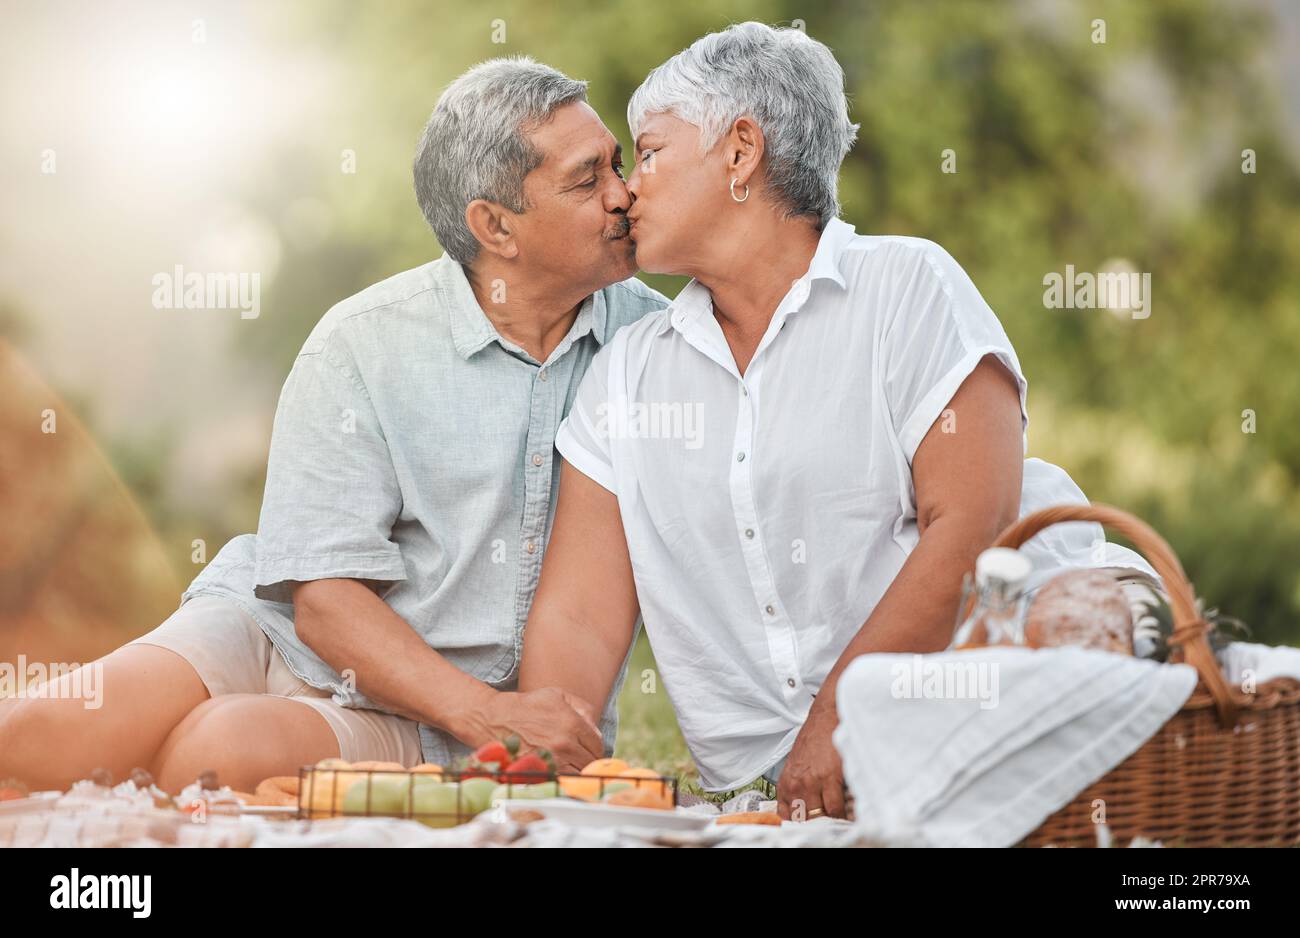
[[232, 655]]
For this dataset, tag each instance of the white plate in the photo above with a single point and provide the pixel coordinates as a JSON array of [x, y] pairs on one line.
[[586, 814], [267, 810]]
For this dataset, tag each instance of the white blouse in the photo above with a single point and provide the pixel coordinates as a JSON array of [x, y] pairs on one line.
[[766, 514]]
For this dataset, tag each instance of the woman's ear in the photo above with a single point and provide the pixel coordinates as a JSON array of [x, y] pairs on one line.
[[493, 227], [744, 149]]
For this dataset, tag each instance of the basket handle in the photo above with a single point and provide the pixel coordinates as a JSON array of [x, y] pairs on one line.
[[1190, 630]]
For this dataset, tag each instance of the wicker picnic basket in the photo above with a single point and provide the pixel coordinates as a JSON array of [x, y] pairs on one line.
[[1223, 771]]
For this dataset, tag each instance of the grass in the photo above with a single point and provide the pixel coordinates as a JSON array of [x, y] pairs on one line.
[[648, 734]]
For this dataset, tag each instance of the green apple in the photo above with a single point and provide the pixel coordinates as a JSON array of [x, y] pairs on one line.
[[476, 795], [611, 787], [541, 790], [535, 792], [387, 796], [433, 803]]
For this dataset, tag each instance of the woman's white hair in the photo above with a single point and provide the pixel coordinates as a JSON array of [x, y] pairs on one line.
[[786, 81]]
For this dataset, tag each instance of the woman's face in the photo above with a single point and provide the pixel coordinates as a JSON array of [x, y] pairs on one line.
[[677, 195]]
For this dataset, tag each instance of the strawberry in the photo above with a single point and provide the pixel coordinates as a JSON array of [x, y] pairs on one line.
[[493, 752], [475, 769], [533, 767]]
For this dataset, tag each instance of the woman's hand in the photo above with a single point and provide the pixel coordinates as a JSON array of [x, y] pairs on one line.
[[812, 780]]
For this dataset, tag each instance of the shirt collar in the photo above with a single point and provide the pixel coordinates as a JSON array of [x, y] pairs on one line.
[[472, 331], [830, 248], [695, 300]]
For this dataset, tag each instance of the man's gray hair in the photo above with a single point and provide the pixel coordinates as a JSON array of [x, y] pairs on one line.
[[476, 146], [787, 82]]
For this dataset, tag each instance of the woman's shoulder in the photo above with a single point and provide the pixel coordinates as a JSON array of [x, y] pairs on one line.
[[873, 256]]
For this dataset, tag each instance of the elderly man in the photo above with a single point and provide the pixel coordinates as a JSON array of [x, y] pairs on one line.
[[377, 614]]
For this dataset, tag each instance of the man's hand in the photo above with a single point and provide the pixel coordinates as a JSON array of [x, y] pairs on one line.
[[395, 667], [812, 780], [548, 718]]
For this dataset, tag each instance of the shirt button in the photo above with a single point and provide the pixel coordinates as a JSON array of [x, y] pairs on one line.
[[537, 459], [789, 682], [740, 457], [749, 532], [543, 374], [744, 390], [770, 610], [530, 547]]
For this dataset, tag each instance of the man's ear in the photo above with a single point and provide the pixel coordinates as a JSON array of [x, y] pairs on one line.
[[493, 226], [743, 149]]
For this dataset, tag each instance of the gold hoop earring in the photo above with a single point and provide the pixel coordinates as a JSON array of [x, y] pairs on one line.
[[733, 191]]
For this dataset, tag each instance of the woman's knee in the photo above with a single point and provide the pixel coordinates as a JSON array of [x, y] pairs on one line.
[[39, 739], [242, 738]]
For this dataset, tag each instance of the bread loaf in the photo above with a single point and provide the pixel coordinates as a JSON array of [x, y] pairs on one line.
[[1085, 608]]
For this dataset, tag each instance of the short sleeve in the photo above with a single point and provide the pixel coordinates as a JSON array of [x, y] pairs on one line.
[[584, 438], [331, 490], [937, 328]]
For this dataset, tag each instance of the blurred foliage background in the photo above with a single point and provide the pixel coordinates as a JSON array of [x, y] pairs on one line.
[[219, 136]]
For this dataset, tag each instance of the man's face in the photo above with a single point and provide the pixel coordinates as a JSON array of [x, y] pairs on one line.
[[575, 226]]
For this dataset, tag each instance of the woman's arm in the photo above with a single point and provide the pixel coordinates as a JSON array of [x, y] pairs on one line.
[[581, 621], [967, 486], [967, 490]]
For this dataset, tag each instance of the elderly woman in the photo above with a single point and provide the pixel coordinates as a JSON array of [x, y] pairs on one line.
[[795, 462]]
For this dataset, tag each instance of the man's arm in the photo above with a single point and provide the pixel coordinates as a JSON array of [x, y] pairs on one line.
[[583, 614], [350, 627], [967, 490]]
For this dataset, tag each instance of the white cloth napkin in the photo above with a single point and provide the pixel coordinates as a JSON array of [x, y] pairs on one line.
[[1245, 660], [984, 763]]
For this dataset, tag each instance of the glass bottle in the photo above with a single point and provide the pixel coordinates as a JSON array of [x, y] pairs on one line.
[[1000, 576]]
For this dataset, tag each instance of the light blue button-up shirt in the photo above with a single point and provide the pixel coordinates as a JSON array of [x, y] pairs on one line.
[[414, 446]]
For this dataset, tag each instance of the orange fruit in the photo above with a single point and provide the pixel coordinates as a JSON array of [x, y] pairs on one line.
[[606, 767], [646, 778], [641, 798], [429, 768], [580, 787]]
